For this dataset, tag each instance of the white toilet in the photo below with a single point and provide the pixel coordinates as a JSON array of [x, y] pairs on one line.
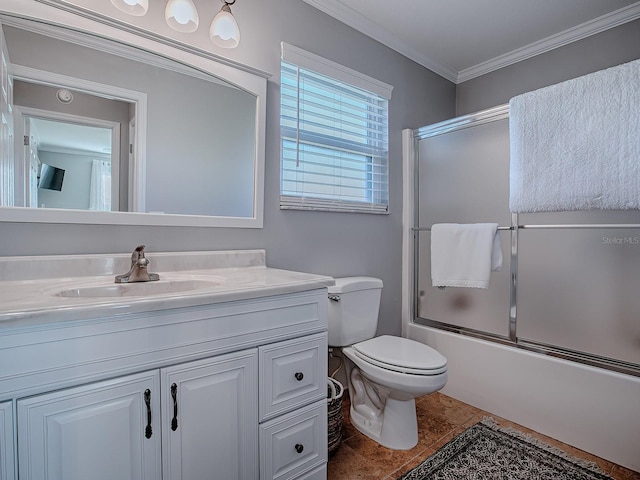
[[385, 374]]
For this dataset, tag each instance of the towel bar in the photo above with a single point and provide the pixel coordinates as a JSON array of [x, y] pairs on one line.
[[585, 226], [569, 226], [419, 229]]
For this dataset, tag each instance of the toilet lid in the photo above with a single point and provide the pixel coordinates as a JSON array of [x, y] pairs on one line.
[[401, 354]]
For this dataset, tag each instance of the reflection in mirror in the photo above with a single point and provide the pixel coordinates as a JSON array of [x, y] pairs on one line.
[[199, 134], [186, 141], [86, 148], [81, 152]]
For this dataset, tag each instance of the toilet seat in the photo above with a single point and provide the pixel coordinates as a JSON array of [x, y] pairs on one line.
[[401, 355]]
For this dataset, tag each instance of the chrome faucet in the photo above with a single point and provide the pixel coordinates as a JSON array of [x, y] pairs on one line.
[[138, 271]]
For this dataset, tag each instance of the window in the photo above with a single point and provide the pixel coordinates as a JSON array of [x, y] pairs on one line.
[[333, 135]]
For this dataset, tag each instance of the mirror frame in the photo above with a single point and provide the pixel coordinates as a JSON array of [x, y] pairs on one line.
[[76, 22]]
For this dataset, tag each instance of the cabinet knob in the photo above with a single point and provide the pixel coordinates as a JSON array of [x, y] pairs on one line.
[[299, 376], [299, 447]]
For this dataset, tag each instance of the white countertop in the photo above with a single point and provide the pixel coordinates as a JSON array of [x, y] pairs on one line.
[[33, 301]]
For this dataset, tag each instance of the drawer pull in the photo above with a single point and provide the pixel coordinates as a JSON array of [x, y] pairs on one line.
[[147, 401], [299, 447], [174, 396], [299, 376]]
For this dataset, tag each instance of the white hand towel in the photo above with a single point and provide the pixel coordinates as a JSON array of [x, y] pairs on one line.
[[463, 255]]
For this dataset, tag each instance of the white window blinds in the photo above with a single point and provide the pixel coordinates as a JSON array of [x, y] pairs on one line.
[[334, 136]]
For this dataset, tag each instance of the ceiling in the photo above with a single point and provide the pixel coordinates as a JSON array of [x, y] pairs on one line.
[[463, 39]]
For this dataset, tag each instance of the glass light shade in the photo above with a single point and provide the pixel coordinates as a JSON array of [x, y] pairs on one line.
[[182, 15], [132, 7], [224, 31]]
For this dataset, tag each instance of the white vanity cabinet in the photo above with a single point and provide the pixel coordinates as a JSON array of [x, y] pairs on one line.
[[6, 441], [201, 415], [233, 390]]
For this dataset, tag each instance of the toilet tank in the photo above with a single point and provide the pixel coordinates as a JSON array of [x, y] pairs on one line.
[[353, 311]]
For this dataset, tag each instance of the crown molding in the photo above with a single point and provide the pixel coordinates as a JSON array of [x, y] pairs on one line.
[[350, 17], [339, 11], [584, 30]]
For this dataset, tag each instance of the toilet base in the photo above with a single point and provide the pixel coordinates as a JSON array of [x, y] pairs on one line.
[[396, 427]]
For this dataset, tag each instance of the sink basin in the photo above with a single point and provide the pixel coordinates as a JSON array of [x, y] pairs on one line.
[[138, 289]]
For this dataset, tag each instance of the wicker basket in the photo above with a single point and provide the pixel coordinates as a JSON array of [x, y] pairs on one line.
[[334, 408]]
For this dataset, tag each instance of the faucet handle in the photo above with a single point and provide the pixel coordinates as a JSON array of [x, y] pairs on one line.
[[138, 258], [137, 253]]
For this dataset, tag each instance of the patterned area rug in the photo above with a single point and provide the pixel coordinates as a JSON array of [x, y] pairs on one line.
[[486, 451]]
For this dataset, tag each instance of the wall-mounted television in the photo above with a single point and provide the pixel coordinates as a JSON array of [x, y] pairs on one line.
[[51, 177]]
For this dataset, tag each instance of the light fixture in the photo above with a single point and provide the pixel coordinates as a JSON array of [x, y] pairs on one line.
[[224, 31], [182, 16], [64, 96], [132, 7]]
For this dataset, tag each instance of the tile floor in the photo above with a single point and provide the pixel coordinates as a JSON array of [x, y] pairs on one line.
[[440, 418]]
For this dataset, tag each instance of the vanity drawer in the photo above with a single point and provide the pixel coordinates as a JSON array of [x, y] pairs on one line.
[[293, 444], [292, 374]]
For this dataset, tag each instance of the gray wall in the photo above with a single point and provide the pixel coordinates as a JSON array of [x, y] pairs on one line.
[[328, 243], [607, 49]]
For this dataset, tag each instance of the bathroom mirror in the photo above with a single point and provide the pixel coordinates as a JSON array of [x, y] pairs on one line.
[[188, 149]]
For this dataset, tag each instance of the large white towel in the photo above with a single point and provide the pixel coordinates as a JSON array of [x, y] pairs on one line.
[[463, 255], [576, 145]]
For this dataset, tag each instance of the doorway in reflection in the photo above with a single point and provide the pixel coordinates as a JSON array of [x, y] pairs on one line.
[[70, 165], [77, 133]]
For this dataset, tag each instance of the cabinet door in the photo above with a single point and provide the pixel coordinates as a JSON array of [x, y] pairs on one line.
[[6, 441], [210, 419], [99, 432]]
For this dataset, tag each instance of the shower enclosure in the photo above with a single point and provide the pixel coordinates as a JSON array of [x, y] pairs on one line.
[[570, 281]]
